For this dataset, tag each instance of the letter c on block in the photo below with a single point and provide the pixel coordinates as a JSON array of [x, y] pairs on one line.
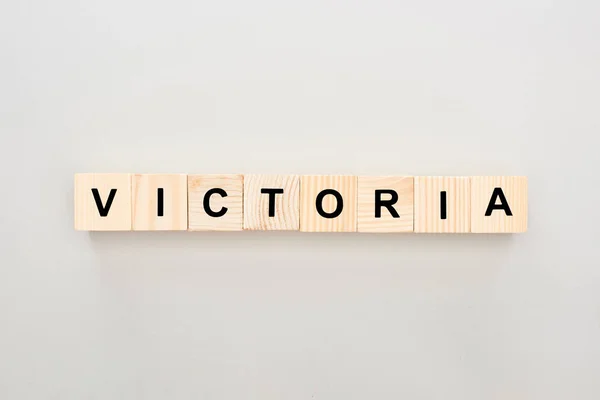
[[206, 203]]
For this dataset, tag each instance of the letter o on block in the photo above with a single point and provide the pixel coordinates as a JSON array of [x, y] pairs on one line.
[[333, 216]]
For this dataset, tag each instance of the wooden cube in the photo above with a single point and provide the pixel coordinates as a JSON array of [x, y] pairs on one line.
[[498, 204], [103, 202], [272, 202], [215, 202], [159, 202], [442, 204], [385, 204], [328, 203]]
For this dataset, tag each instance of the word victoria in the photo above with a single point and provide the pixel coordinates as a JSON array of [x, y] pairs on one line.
[[316, 203]]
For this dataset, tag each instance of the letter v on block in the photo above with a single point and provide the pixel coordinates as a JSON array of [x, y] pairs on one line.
[[104, 209], [103, 202]]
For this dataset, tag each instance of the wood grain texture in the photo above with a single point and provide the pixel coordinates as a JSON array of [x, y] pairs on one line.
[[428, 210], [311, 220], [87, 214], [287, 204], [515, 191], [198, 219], [367, 221], [145, 202]]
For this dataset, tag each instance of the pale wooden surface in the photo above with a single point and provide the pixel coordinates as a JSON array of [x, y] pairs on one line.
[[256, 204], [87, 216], [310, 220], [198, 185], [427, 204], [515, 190], [367, 222], [145, 202]]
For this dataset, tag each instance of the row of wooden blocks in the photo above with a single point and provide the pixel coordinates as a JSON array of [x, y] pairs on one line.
[[325, 203]]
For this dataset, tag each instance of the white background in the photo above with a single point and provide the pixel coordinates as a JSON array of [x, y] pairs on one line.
[[358, 87]]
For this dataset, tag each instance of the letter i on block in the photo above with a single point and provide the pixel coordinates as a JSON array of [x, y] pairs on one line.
[[215, 202], [385, 204], [159, 202], [103, 202], [498, 204], [272, 202], [442, 204], [328, 203]]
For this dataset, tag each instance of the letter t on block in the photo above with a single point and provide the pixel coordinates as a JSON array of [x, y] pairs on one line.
[[103, 202], [498, 204], [272, 202]]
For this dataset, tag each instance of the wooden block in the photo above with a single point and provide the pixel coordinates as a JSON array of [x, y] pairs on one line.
[[328, 203], [442, 204], [159, 202], [103, 202], [272, 202], [385, 204], [498, 204], [215, 202]]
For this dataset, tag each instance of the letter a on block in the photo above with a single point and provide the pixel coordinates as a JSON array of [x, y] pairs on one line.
[[103, 202], [498, 204]]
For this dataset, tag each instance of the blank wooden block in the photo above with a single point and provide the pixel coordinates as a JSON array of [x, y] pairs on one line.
[[270, 210], [159, 202], [103, 202], [223, 197], [489, 194], [322, 190], [442, 204], [385, 204]]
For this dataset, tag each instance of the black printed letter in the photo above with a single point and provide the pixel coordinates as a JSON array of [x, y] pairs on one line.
[[338, 209], [160, 202], [443, 206], [271, 193], [207, 208], [498, 193], [103, 210], [386, 203]]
